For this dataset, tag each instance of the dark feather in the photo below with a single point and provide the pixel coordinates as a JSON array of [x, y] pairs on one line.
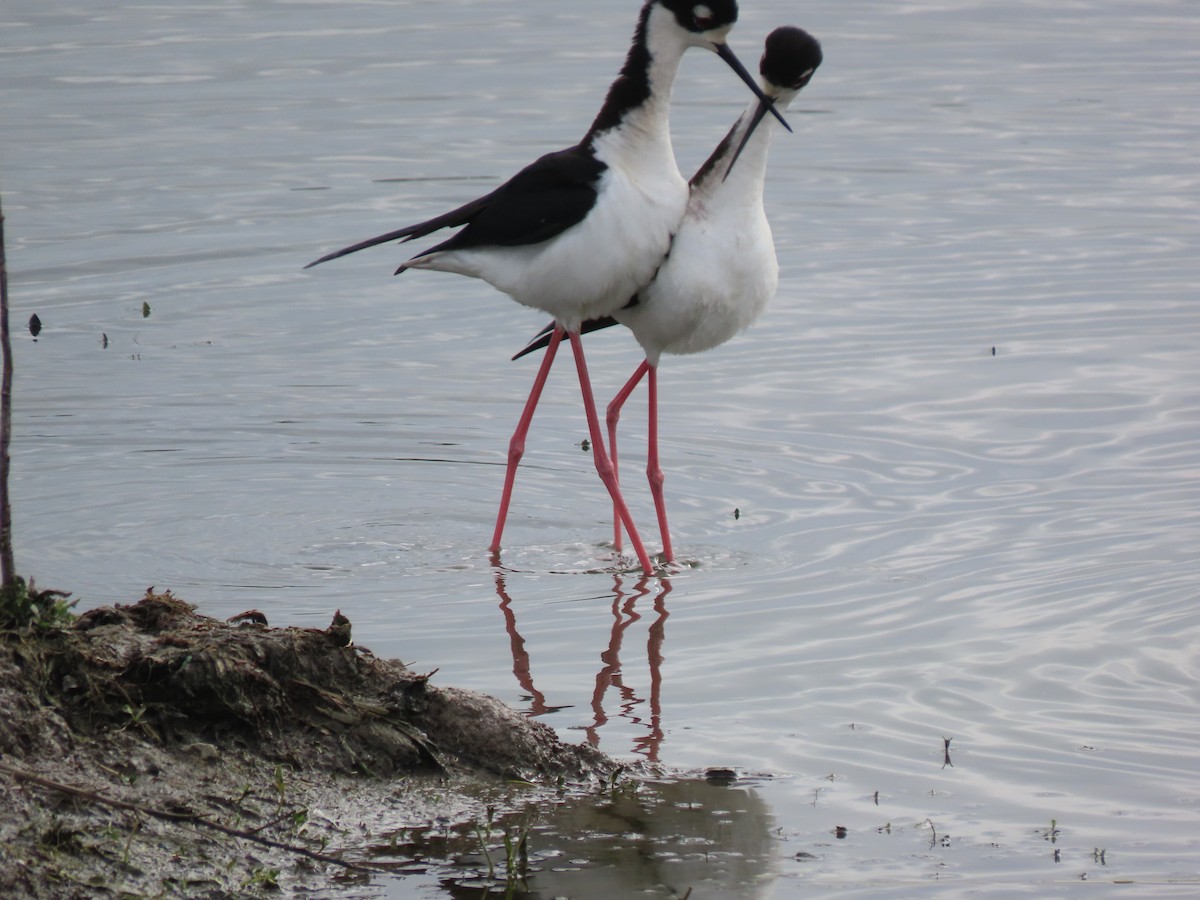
[[541, 201], [542, 338]]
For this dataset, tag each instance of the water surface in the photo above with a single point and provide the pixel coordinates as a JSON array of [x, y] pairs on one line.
[[961, 445]]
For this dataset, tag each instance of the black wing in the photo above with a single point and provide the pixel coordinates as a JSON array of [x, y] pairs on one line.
[[542, 200], [455, 217], [542, 338]]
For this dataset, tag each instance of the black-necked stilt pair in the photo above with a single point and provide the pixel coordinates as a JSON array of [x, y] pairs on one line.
[[579, 232], [722, 268]]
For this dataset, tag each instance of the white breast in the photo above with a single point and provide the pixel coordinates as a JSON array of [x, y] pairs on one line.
[[720, 275], [593, 268]]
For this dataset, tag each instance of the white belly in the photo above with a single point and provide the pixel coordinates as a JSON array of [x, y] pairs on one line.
[[593, 268], [719, 278]]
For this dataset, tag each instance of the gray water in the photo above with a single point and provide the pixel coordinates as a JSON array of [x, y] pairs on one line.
[[963, 444]]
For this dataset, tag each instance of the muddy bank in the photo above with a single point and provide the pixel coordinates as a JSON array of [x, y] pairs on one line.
[[147, 749]]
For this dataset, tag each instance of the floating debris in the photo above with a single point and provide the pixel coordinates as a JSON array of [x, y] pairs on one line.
[[720, 776]]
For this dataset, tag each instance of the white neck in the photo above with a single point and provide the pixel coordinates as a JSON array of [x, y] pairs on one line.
[[641, 135], [744, 182]]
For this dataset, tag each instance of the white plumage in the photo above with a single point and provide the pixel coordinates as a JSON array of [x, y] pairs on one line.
[[579, 231], [722, 269]]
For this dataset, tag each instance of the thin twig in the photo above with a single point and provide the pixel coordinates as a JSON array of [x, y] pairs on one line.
[[7, 566], [933, 831], [275, 821], [185, 818]]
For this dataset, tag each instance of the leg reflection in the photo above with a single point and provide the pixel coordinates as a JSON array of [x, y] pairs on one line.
[[631, 707], [649, 744], [610, 672], [520, 656]]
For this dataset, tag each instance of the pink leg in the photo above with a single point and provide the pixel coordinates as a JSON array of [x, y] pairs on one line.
[[604, 465], [613, 416], [653, 470], [516, 446]]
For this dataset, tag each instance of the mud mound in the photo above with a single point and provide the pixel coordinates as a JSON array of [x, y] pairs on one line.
[[147, 748], [306, 697]]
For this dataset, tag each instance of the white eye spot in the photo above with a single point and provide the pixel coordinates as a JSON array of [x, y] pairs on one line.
[[703, 16]]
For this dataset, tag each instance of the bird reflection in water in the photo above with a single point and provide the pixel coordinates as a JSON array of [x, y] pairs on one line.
[[630, 706]]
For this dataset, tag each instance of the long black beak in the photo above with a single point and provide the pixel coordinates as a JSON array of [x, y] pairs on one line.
[[759, 113], [734, 63]]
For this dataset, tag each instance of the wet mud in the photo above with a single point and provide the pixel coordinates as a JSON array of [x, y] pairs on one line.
[[148, 749]]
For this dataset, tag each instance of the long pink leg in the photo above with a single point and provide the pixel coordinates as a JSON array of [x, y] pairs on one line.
[[516, 446], [612, 416], [604, 465], [653, 470]]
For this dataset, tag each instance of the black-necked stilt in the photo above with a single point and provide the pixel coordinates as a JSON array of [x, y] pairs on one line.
[[722, 269], [579, 231]]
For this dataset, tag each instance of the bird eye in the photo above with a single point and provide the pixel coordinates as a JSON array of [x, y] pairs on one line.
[[703, 17]]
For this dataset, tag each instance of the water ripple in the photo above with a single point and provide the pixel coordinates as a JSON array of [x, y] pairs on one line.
[[947, 488]]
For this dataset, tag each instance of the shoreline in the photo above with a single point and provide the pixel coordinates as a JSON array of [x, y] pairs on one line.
[[148, 749]]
